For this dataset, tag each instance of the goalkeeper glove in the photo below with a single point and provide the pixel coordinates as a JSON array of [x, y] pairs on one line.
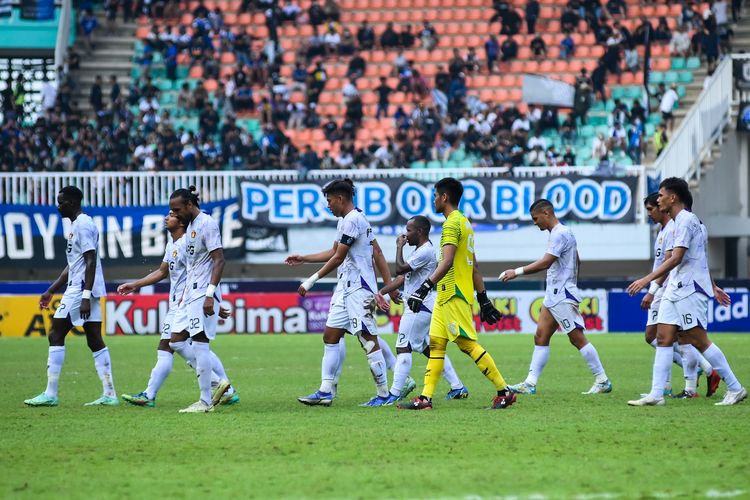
[[487, 312], [416, 299]]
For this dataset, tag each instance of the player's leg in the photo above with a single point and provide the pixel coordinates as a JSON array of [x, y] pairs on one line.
[[55, 359], [403, 358], [160, 371], [92, 327], [360, 308], [340, 365], [202, 329], [219, 377], [385, 348], [689, 357], [545, 328], [329, 365], [458, 390]]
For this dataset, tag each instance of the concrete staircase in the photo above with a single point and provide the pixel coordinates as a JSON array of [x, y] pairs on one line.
[[112, 55]]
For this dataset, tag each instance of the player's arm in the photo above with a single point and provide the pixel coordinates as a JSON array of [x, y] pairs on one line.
[[392, 287], [332, 263], [402, 267], [536, 266], [448, 255], [654, 287], [720, 295], [487, 312], [150, 279], [384, 270], [56, 285], [313, 258], [89, 273], [395, 284], [217, 258], [674, 260]]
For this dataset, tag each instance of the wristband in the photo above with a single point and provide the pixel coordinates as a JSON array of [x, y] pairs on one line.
[[519, 271], [86, 294], [309, 282], [654, 288], [210, 290]]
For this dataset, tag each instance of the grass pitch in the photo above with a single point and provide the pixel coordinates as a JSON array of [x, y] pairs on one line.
[[557, 444]]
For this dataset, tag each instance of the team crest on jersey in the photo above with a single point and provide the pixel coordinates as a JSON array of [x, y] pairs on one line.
[[453, 328], [174, 254], [192, 235]]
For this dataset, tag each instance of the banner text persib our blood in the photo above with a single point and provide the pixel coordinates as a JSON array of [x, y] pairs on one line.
[[488, 201]]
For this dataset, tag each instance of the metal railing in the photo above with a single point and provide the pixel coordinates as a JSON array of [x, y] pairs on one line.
[[128, 189], [701, 128], [63, 33]]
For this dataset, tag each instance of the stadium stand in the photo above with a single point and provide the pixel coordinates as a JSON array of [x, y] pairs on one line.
[[244, 86]]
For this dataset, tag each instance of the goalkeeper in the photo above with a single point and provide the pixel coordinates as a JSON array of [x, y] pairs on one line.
[[457, 277]]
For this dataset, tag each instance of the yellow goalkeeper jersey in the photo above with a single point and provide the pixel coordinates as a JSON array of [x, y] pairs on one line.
[[457, 231]]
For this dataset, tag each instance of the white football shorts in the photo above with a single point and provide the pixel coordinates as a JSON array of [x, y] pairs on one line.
[[70, 306], [687, 313], [353, 312], [567, 315], [414, 330]]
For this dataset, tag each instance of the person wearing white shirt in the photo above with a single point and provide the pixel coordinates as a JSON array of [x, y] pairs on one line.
[[719, 9], [683, 313], [680, 43], [521, 123], [349, 91], [666, 105], [599, 147], [561, 299], [49, 95]]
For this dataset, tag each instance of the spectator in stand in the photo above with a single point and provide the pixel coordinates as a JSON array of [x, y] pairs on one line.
[[88, 25], [299, 78], [639, 35], [114, 91], [309, 160], [419, 85], [539, 48], [581, 101], [389, 37], [509, 49], [620, 113], [357, 66], [290, 11], [501, 8], [532, 11], [599, 148], [331, 39], [598, 80], [315, 15], [569, 20], [332, 10], [511, 23], [569, 157], [344, 160], [616, 8], [366, 36], [491, 50], [349, 91], [662, 33], [632, 60], [471, 61], [567, 47], [736, 10], [618, 137], [660, 139], [384, 92], [110, 12], [635, 141], [456, 65], [720, 11], [95, 95], [667, 103], [442, 79], [406, 39], [348, 45], [428, 36], [296, 111], [710, 48], [404, 79], [637, 112]]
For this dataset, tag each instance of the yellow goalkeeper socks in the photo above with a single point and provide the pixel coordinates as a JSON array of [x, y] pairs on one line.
[[434, 365], [483, 360]]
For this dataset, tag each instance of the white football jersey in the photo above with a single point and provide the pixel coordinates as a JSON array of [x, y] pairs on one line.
[[423, 262], [663, 244], [174, 256], [562, 276], [356, 271], [201, 238], [83, 237], [692, 274]]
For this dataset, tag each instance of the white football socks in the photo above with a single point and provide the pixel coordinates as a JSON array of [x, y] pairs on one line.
[[703, 363], [185, 350], [662, 365], [329, 366], [538, 362], [55, 359], [719, 362], [401, 372], [595, 365], [104, 368], [450, 374], [390, 359], [159, 373], [342, 358], [690, 366], [379, 373], [204, 369]]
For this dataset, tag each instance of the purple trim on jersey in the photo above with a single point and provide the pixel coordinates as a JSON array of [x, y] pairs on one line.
[[365, 285], [569, 295], [699, 324], [424, 308], [699, 289], [364, 328], [578, 326]]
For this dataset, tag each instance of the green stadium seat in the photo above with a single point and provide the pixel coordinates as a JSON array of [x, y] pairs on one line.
[[182, 72], [618, 92], [685, 77], [681, 91], [458, 155], [671, 77], [678, 63], [467, 163], [650, 129], [633, 92], [434, 164], [656, 77], [586, 132], [163, 85], [654, 118], [693, 63], [417, 164]]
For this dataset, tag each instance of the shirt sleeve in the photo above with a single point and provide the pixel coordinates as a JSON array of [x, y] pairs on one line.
[[451, 232], [556, 245], [166, 254], [87, 238], [668, 244], [213, 236], [349, 232], [682, 234]]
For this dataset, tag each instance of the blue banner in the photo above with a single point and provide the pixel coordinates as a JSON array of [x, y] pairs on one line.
[[626, 315]]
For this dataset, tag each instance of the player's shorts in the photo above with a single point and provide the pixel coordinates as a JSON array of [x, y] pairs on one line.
[[353, 312], [687, 313], [414, 330], [70, 306], [567, 315], [653, 311], [169, 319], [453, 319], [189, 317]]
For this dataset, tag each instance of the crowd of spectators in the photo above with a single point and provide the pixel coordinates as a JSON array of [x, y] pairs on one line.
[[130, 131]]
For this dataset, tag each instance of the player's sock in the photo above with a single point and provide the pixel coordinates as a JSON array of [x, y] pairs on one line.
[[55, 359], [662, 364], [435, 365], [719, 363], [703, 363], [203, 367], [328, 367], [186, 352], [104, 368], [400, 372], [450, 375], [654, 343], [690, 366], [342, 357], [379, 372], [483, 360], [218, 372], [390, 359], [538, 362], [592, 359], [677, 354], [159, 374]]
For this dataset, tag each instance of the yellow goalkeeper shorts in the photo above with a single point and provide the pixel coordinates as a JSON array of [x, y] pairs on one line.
[[453, 319]]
